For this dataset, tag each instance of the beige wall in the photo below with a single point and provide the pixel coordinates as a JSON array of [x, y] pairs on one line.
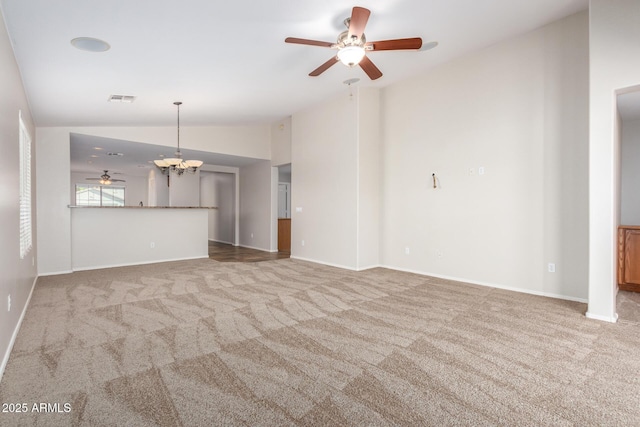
[[336, 181], [256, 216], [246, 141], [519, 110], [184, 190], [18, 275], [521, 115], [369, 170], [281, 142], [614, 66], [324, 175], [53, 195], [158, 188]]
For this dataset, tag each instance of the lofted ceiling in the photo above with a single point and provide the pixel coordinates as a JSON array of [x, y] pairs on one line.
[[227, 61]]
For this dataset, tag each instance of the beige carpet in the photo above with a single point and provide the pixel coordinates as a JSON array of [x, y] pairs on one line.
[[277, 343], [628, 306]]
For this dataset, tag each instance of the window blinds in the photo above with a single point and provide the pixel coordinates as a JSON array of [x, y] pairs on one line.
[[26, 239]]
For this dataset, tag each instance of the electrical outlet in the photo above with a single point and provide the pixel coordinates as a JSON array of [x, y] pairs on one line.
[[9, 302], [551, 267], [472, 171], [407, 251], [481, 170], [303, 243], [252, 235], [152, 245]]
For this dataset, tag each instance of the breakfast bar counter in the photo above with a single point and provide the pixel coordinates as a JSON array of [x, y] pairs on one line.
[[129, 235]]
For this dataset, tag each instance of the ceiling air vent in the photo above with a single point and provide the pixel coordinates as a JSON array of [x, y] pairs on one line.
[[122, 98]]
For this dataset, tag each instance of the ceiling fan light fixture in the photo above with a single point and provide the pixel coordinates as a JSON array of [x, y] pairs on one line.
[[173, 161], [352, 44], [351, 55], [105, 179]]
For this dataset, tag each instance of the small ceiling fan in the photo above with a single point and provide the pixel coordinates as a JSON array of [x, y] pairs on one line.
[[105, 179], [352, 45]]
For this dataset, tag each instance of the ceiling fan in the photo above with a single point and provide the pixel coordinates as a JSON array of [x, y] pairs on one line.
[[352, 45], [105, 179]]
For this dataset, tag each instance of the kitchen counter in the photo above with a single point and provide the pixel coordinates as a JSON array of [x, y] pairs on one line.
[[144, 207]]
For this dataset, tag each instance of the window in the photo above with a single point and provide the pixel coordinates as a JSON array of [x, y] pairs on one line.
[[26, 238], [99, 195]]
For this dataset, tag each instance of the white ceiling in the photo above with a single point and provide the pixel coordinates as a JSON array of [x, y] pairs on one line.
[[227, 61]]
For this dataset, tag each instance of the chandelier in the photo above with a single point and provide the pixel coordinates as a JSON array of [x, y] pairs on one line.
[[177, 164]]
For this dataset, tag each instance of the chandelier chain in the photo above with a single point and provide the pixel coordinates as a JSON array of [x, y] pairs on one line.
[[177, 103], [178, 164]]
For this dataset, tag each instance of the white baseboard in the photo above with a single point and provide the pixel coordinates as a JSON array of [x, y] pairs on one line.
[[98, 267], [323, 263], [55, 273], [491, 285], [456, 279], [222, 241], [5, 359], [609, 319], [368, 267], [256, 248]]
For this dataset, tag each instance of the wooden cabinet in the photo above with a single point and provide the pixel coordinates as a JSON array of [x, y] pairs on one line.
[[629, 258], [284, 234]]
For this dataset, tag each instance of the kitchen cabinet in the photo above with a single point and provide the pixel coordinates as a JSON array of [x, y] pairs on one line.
[[284, 234], [629, 258]]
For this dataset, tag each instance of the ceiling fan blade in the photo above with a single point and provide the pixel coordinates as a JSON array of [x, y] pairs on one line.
[[359, 18], [324, 67], [397, 44], [118, 180], [308, 42], [369, 67]]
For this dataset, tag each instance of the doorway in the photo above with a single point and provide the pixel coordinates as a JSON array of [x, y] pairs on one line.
[[628, 298], [284, 200], [284, 208], [218, 189]]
